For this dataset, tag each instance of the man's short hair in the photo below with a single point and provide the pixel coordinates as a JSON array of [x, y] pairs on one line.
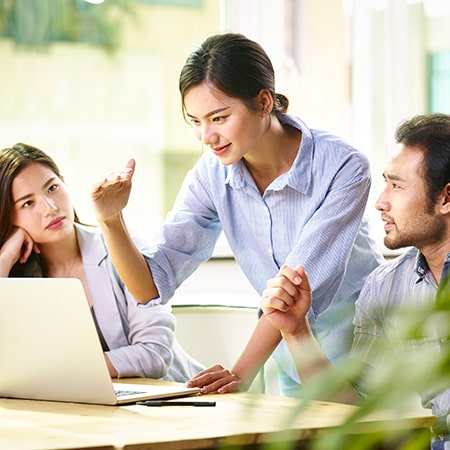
[[430, 133]]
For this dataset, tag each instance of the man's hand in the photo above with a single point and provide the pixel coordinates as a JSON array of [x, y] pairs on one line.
[[287, 300]]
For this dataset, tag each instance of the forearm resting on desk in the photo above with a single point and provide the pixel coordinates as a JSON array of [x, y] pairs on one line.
[[260, 346]]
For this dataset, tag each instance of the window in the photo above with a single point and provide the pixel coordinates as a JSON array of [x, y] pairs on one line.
[[439, 82]]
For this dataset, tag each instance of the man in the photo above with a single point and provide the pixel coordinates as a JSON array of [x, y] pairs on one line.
[[415, 207]]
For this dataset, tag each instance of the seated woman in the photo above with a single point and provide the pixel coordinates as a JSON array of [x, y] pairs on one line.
[[41, 236]]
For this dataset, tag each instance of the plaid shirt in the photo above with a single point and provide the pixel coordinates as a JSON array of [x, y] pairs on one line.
[[401, 285]]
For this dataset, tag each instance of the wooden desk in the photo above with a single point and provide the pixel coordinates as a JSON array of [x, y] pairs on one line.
[[237, 420]]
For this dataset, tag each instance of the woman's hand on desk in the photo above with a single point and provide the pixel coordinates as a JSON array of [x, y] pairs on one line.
[[216, 379]]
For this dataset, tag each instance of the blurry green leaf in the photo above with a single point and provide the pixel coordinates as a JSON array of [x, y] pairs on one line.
[[417, 361], [38, 23]]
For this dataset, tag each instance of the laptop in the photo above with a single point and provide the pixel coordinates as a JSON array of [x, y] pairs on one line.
[[50, 350]]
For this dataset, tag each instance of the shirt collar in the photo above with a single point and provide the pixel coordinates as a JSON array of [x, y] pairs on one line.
[[447, 259], [446, 269], [299, 175], [90, 240], [421, 266]]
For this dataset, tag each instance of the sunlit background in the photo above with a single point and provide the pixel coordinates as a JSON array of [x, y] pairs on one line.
[[95, 83]]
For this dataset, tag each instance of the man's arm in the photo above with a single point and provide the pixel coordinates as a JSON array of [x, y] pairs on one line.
[[285, 303]]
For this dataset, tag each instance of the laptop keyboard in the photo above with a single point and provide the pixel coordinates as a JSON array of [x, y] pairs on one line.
[[123, 393]]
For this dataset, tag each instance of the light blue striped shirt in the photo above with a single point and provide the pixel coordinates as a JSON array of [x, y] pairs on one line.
[[403, 285], [312, 214]]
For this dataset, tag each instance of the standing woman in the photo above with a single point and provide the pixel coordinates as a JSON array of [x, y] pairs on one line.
[[281, 192], [41, 236]]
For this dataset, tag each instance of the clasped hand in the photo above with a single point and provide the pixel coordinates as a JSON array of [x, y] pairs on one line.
[[287, 300], [285, 303]]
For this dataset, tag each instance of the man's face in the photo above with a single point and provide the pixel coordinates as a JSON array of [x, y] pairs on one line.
[[410, 217]]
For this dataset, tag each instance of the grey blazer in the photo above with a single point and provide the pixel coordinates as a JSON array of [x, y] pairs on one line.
[[141, 340]]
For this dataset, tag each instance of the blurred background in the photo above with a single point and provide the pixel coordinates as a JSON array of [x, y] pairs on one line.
[[96, 83]]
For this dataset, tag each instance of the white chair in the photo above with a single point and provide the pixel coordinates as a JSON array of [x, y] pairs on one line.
[[215, 333]]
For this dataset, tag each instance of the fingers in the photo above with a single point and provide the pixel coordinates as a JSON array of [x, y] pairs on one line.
[[212, 369], [17, 248], [281, 287], [36, 248], [27, 249], [290, 273], [216, 379], [269, 304], [294, 277], [304, 279], [116, 179], [283, 291], [131, 164]]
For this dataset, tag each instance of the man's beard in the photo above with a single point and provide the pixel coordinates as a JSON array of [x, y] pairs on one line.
[[421, 230]]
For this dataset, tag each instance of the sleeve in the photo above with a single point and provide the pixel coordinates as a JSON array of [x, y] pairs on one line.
[[440, 406], [188, 237], [369, 340], [328, 237], [369, 343], [150, 334], [146, 342]]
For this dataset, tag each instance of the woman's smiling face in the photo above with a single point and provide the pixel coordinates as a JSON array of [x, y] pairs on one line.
[[225, 124]]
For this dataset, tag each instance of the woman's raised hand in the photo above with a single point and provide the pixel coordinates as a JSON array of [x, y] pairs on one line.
[[110, 194]]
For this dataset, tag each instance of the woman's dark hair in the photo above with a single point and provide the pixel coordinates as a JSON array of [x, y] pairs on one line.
[[235, 65], [12, 161], [430, 133]]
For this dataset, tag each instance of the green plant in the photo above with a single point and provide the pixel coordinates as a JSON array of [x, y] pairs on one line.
[[38, 23], [409, 368]]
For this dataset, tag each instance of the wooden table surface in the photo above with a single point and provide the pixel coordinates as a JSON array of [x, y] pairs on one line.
[[237, 419]]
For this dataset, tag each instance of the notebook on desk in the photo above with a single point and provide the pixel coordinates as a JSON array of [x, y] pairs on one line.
[[50, 350]]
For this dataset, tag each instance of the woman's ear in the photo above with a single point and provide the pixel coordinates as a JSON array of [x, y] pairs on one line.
[[265, 101]]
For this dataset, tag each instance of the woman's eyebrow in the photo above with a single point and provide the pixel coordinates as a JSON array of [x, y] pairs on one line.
[[211, 113]]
